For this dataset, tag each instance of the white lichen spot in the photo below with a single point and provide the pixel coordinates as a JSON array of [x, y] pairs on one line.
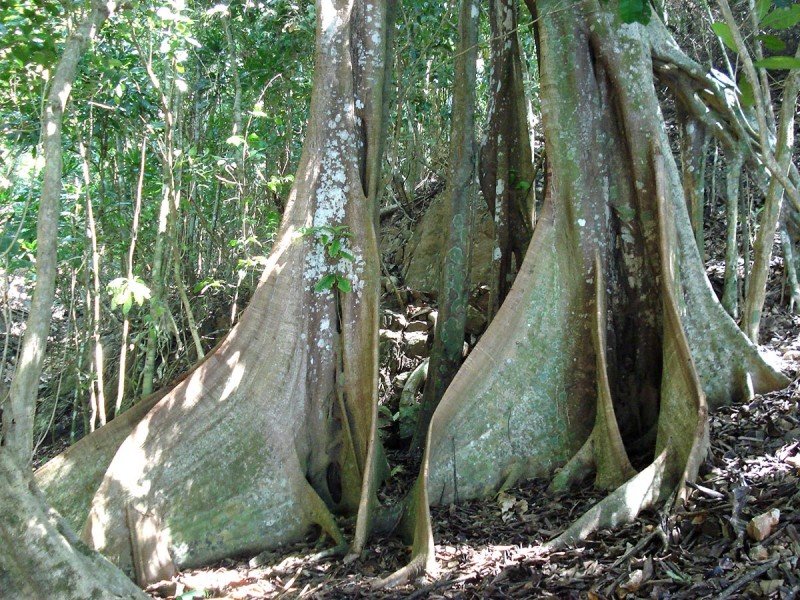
[[474, 12], [497, 254], [581, 222], [500, 187]]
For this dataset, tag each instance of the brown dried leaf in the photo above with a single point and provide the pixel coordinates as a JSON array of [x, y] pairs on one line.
[[761, 527]]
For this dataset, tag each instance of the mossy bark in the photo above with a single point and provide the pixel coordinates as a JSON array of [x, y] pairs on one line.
[[41, 557], [525, 400], [506, 161], [448, 341]]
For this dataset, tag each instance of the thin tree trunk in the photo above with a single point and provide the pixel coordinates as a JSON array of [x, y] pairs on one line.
[[98, 357], [187, 307], [161, 247], [762, 248], [126, 323], [19, 410], [448, 342], [730, 294]]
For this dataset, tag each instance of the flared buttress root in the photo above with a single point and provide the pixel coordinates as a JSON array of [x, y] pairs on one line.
[[621, 506]]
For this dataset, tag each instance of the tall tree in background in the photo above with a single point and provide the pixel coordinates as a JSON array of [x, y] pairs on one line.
[[506, 158], [613, 260], [448, 341]]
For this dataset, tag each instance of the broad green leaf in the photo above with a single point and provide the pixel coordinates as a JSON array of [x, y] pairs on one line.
[[724, 33], [779, 62], [343, 283], [762, 8], [772, 42], [782, 18], [746, 93], [325, 283], [126, 306], [334, 248]]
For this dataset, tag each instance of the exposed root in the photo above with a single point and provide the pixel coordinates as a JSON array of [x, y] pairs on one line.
[[603, 451], [577, 469], [320, 514], [611, 459], [621, 506], [418, 376], [413, 570]]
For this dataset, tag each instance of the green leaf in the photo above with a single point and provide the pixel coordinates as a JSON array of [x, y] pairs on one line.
[[782, 18], [126, 306], [779, 62], [762, 8], [334, 248], [746, 97], [343, 283], [326, 283], [523, 185], [724, 33], [634, 11], [772, 42]]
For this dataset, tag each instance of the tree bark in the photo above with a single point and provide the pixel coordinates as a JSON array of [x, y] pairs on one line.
[[448, 341], [506, 163], [41, 557], [733, 176], [694, 145]]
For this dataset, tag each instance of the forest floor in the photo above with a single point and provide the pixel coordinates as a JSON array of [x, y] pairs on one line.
[[737, 537]]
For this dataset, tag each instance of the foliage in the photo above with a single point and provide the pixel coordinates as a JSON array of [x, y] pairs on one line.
[[124, 292], [333, 239]]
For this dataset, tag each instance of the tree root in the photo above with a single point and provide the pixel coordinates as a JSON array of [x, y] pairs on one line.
[[414, 569], [621, 506]]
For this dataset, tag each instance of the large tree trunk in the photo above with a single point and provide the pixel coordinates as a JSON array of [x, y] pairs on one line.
[[613, 259], [273, 432]]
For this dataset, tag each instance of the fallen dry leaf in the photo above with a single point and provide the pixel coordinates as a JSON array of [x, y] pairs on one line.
[[761, 527]]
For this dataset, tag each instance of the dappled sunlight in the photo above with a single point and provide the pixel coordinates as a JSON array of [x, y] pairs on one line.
[[237, 371]]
